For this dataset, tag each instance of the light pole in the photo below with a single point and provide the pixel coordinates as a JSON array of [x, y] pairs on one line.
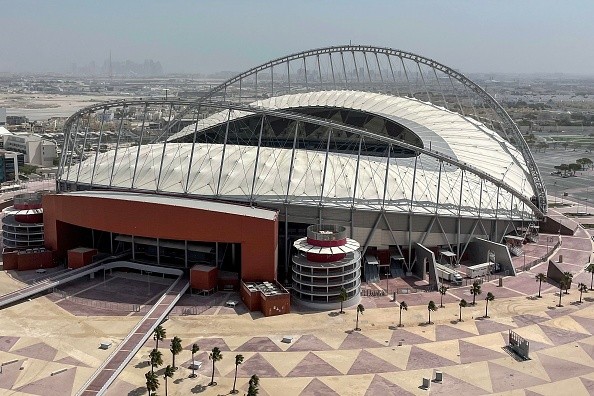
[[148, 277]]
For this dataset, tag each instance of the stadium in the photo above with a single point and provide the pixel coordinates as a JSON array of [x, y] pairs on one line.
[[408, 156]]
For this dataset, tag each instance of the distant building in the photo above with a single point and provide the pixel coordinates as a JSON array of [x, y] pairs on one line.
[[16, 120], [37, 151], [9, 165], [2, 116]]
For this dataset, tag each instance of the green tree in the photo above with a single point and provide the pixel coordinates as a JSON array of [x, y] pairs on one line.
[[343, 297], [159, 335], [215, 356], [403, 306], [430, 308], [156, 359], [238, 361], [360, 310], [169, 371], [490, 297], [540, 277], [176, 348], [568, 276], [443, 289], [475, 290], [152, 382], [462, 304], [590, 269], [574, 168], [582, 288], [253, 387], [195, 349]]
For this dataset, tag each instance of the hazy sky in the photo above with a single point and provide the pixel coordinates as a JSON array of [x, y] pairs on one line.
[[207, 36]]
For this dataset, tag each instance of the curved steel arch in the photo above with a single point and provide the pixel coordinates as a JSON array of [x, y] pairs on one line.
[[324, 123], [511, 130]]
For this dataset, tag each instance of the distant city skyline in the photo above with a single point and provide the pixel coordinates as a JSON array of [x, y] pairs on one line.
[[206, 37]]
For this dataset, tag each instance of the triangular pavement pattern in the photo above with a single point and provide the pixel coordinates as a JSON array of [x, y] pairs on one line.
[[72, 361], [206, 368], [420, 358], [40, 351], [587, 323], [445, 332], [454, 386], [528, 319], [313, 366], [317, 388], [470, 353], [589, 349], [10, 373], [206, 344], [256, 365], [531, 393], [356, 340], [505, 379], [381, 386], [561, 336], [407, 338], [368, 363], [7, 342], [555, 313], [588, 384], [57, 385], [259, 344], [560, 369], [490, 326], [308, 343]]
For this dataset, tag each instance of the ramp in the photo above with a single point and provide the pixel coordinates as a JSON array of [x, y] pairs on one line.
[[121, 356]]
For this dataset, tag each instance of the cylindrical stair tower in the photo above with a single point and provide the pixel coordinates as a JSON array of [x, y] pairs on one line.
[[327, 261], [22, 224]]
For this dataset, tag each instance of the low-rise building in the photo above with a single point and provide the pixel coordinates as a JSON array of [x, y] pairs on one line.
[[37, 151]]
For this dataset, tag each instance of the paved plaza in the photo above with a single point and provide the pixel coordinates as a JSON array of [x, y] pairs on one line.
[[50, 344]]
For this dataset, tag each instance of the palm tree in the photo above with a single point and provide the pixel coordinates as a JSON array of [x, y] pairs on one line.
[[215, 356], [152, 382], [343, 297], [582, 288], [159, 335], [431, 307], [403, 306], [568, 276], [540, 278], [462, 304], [490, 297], [169, 371], [253, 386], [443, 289], [475, 290], [360, 309], [195, 349], [562, 285], [156, 359], [176, 348], [590, 269], [238, 361]]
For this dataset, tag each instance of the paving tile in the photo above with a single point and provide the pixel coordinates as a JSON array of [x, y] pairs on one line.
[[528, 319], [367, 363], [9, 375], [206, 344], [560, 369], [470, 353], [6, 343], [454, 386], [57, 385], [309, 342], [381, 386], [317, 388], [259, 344], [40, 351], [406, 337], [419, 359], [356, 340], [561, 336], [487, 326], [256, 365], [313, 366], [445, 332], [505, 379]]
